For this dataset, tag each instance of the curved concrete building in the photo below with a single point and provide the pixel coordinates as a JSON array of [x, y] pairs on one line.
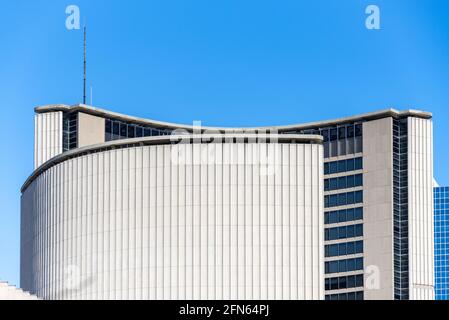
[[180, 216], [120, 207]]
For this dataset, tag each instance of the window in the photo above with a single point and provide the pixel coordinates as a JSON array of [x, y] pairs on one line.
[[108, 124], [325, 134], [346, 265], [131, 131], [333, 184], [358, 213], [334, 233], [344, 215], [346, 296], [342, 199], [326, 168], [358, 180], [350, 248], [343, 182], [117, 129], [359, 281], [342, 248], [123, 131], [351, 265], [343, 166], [358, 228], [358, 197], [358, 164], [350, 164], [358, 130], [350, 231], [333, 167], [350, 131], [341, 133], [70, 131], [343, 232], [351, 282], [346, 282], [139, 132], [350, 198], [350, 215], [359, 247], [333, 134], [350, 182]]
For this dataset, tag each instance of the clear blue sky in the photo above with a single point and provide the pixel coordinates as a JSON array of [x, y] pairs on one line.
[[227, 63]]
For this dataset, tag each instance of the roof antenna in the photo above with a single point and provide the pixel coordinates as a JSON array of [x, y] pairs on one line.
[[84, 92]]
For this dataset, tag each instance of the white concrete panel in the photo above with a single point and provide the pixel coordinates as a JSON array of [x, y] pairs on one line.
[[132, 224], [421, 237], [48, 137]]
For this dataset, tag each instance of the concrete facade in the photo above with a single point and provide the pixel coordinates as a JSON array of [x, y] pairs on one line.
[[90, 130], [131, 223], [378, 208], [47, 136]]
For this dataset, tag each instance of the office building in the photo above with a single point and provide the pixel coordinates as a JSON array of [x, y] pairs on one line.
[[339, 209], [441, 243], [125, 208]]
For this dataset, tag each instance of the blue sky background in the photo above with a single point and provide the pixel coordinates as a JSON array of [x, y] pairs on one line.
[[224, 62]]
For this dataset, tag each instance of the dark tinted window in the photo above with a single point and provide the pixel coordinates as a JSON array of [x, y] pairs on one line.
[[350, 131], [358, 164], [358, 130], [350, 164], [139, 132], [333, 134], [342, 166], [116, 129], [123, 131], [342, 133]]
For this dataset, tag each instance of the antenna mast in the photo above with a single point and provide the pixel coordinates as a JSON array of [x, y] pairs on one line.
[[84, 91]]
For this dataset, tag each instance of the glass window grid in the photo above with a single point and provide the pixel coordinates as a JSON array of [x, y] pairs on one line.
[[345, 282], [343, 249], [69, 131], [343, 199], [346, 144], [345, 182], [344, 232], [346, 265], [345, 215], [441, 223], [116, 130], [339, 140], [341, 166], [400, 209], [358, 295]]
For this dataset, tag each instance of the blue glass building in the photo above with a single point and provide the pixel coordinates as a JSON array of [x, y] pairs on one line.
[[441, 195]]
